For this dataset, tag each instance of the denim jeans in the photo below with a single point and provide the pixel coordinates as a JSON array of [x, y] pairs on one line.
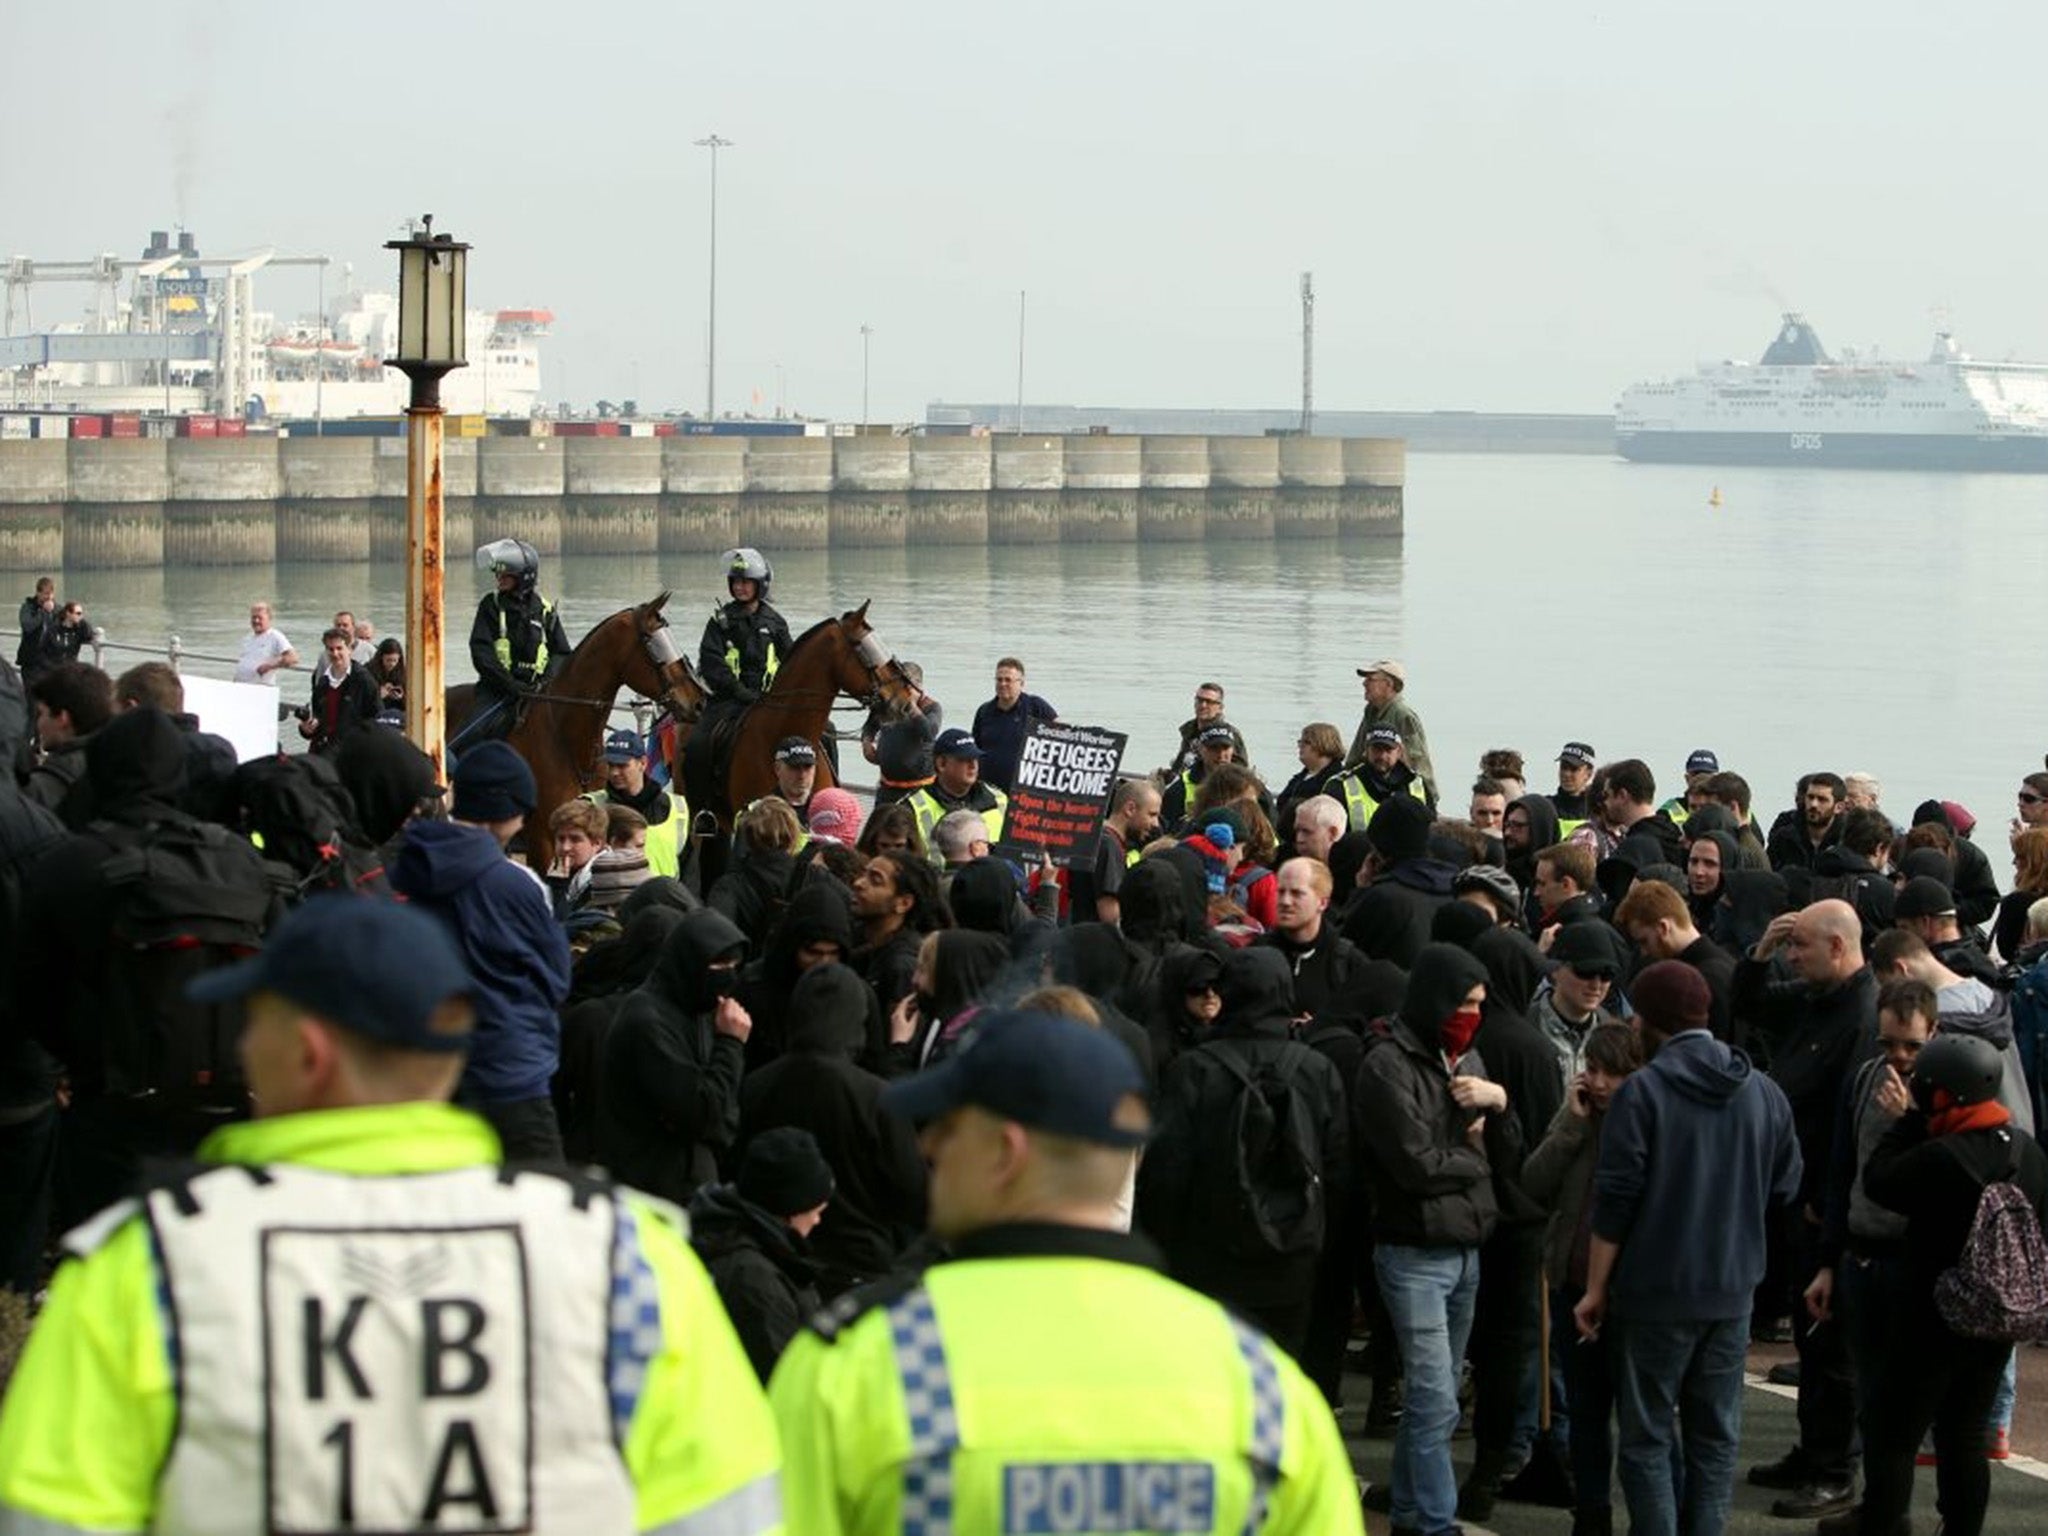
[[2008, 1393], [1690, 1372], [1430, 1294]]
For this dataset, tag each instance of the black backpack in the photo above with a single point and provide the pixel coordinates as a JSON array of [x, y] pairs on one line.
[[185, 897], [302, 816], [1271, 1185]]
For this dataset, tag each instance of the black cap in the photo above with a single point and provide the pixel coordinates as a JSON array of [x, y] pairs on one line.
[[1576, 752], [1383, 736], [956, 743], [375, 968], [785, 1173], [1925, 896], [1046, 1073], [1216, 734], [1587, 949], [796, 751]]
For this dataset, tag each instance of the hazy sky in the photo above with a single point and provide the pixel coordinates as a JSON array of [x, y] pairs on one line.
[[1506, 206]]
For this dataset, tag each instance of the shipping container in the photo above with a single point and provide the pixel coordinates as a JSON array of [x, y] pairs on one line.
[[464, 426], [742, 428], [53, 426], [14, 427], [198, 426], [231, 426], [664, 429], [88, 426], [124, 425], [577, 428]]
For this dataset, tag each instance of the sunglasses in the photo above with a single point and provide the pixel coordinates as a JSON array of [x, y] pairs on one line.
[[2028, 797]]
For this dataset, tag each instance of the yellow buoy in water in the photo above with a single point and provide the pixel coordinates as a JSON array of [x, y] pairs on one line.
[[1714, 498]]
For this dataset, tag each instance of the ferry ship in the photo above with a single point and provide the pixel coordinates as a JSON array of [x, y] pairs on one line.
[[177, 333], [1797, 405]]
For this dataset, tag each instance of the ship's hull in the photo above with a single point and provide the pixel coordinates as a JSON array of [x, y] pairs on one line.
[[1839, 450]]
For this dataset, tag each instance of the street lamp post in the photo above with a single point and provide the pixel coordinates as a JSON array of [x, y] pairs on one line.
[[432, 341], [866, 331], [714, 143]]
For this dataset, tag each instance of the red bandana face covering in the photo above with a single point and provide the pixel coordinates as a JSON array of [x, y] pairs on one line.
[[1458, 1031]]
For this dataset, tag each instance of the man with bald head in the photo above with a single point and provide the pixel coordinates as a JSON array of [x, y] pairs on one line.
[[1811, 1001]]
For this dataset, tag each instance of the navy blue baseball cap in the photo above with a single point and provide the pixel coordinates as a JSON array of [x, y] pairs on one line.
[[1045, 1072], [375, 968], [622, 747], [956, 743], [1703, 761]]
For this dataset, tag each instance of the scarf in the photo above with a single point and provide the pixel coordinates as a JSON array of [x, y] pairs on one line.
[[1458, 1031], [1988, 1116]]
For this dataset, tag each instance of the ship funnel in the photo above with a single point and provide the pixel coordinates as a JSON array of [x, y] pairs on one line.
[[186, 246], [159, 244]]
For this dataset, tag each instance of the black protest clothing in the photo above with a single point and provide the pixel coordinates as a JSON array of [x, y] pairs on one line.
[[761, 1268], [888, 965], [1431, 1186], [817, 913], [1718, 967], [28, 1074], [56, 778], [670, 1081], [1933, 1376], [1750, 898], [1391, 918], [818, 1085], [1976, 887], [732, 658], [1817, 1039], [965, 967], [1116, 975], [750, 892], [1327, 970], [1188, 1184], [1789, 847], [387, 777], [603, 979]]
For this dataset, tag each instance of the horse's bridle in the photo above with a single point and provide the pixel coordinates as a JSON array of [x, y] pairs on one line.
[[674, 669], [882, 667]]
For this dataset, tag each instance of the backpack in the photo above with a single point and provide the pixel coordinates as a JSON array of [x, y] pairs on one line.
[[301, 815], [186, 897], [1272, 1183], [1998, 1287]]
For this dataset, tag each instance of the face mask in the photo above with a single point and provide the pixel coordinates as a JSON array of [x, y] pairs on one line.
[[720, 980], [1458, 1031]]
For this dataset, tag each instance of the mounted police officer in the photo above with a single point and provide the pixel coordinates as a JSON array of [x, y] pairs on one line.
[[747, 641], [516, 639]]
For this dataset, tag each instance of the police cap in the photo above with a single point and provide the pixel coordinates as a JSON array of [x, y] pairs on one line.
[[1046, 1073]]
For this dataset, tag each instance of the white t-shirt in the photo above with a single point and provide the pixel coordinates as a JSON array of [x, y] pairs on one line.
[[257, 649]]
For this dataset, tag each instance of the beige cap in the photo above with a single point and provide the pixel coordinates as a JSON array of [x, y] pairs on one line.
[[1392, 669]]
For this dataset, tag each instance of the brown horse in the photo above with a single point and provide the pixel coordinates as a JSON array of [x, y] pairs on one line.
[[561, 734], [831, 658]]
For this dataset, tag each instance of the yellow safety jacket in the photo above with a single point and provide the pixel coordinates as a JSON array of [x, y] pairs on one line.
[[502, 646], [664, 838], [1359, 805], [397, 1393], [1048, 1380], [928, 810]]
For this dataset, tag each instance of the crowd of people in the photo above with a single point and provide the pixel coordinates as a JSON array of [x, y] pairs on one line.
[[1049, 1198]]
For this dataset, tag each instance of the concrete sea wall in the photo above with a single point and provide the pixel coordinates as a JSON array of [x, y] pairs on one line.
[[108, 503]]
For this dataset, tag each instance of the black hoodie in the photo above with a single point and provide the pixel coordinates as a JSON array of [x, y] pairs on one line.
[[1516, 1054], [1188, 1180], [878, 1203], [1391, 917], [670, 1082], [1112, 971], [818, 913], [762, 1269], [602, 981], [1431, 1187], [964, 971]]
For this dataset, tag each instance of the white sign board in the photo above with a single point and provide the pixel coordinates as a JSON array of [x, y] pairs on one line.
[[245, 713]]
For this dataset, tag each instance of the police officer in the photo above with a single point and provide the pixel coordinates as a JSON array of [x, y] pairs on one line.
[[1047, 1377], [1379, 776], [357, 1320], [956, 786], [747, 641], [627, 783], [517, 636]]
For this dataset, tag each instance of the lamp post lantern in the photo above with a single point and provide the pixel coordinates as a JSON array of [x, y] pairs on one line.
[[432, 341]]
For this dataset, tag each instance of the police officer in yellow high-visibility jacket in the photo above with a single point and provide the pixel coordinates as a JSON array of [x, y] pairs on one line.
[[1047, 1377], [359, 1322], [667, 812], [956, 786], [1383, 774]]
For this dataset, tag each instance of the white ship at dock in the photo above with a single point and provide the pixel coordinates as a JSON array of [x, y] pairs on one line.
[[1797, 405], [178, 333]]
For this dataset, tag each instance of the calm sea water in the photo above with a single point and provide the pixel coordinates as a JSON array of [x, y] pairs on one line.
[[1890, 623]]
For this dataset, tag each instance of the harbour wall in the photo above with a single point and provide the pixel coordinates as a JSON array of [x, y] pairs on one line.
[[96, 504]]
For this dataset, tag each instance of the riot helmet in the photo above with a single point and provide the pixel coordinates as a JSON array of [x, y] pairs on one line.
[[511, 557], [1967, 1068], [748, 564]]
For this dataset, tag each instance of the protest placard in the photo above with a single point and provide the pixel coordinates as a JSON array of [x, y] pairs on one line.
[[1065, 777]]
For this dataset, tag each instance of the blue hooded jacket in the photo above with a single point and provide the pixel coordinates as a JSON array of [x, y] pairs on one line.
[[1694, 1151], [518, 956]]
